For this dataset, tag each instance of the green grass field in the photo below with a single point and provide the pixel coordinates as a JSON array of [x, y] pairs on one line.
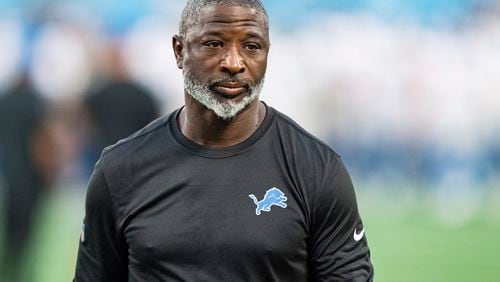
[[409, 246], [420, 249]]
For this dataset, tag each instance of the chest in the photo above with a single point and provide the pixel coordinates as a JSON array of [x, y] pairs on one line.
[[219, 215]]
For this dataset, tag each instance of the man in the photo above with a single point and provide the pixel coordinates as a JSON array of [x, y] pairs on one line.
[[225, 188], [133, 106], [27, 166]]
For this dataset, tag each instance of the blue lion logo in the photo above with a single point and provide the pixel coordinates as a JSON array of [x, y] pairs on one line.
[[273, 196]]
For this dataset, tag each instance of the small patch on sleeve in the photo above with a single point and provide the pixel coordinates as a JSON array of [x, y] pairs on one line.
[[82, 234]]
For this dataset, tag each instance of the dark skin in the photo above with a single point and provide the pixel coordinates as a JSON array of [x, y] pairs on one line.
[[225, 43]]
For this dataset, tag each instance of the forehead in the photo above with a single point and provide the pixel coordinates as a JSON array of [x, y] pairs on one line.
[[222, 18]]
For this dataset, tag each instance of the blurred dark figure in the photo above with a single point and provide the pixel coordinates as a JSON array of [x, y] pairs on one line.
[[119, 108], [26, 150]]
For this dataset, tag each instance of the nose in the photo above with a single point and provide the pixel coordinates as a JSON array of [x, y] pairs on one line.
[[232, 62]]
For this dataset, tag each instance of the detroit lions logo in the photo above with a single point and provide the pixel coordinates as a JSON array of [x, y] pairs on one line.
[[273, 196]]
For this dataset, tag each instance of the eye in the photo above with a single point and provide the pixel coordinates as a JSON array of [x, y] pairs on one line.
[[213, 44], [252, 47]]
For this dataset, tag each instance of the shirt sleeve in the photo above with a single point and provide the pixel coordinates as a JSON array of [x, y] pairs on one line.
[[102, 253], [338, 246]]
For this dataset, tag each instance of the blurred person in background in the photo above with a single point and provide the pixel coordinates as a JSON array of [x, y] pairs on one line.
[[175, 201], [27, 156], [118, 108]]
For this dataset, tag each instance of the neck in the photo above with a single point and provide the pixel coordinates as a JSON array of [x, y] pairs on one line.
[[203, 127]]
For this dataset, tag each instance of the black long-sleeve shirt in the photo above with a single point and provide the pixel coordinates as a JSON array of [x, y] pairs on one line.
[[279, 206]]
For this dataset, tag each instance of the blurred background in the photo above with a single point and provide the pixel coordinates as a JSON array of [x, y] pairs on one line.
[[408, 92]]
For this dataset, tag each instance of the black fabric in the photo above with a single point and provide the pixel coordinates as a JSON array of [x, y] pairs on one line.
[[162, 208]]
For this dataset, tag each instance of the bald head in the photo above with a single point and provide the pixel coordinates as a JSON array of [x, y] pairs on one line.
[[191, 12]]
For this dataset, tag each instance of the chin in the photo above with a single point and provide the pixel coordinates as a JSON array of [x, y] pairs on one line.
[[230, 108], [224, 106]]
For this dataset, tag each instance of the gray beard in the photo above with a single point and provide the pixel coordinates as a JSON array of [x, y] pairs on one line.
[[226, 109]]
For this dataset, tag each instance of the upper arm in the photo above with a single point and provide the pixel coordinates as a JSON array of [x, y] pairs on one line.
[[102, 254], [335, 255]]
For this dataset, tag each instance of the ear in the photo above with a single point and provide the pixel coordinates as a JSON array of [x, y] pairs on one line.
[[178, 47]]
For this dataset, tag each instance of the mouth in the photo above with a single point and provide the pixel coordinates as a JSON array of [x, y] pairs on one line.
[[230, 89]]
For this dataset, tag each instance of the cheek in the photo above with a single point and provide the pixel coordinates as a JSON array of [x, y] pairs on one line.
[[197, 72], [258, 68], [192, 65], [200, 65]]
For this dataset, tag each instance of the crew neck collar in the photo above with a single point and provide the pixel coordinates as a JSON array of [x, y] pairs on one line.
[[225, 152]]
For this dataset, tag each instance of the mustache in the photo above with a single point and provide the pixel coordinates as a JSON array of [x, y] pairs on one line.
[[243, 82]]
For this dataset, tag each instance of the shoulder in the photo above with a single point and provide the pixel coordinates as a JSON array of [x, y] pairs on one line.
[[312, 164], [300, 140], [136, 140], [126, 154]]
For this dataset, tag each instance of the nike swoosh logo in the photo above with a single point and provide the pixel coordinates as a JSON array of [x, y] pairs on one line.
[[357, 236]]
